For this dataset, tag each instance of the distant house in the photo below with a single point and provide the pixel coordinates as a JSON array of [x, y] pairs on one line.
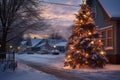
[[50, 44], [30, 45], [23, 46], [45, 45], [107, 17], [34, 43], [61, 46]]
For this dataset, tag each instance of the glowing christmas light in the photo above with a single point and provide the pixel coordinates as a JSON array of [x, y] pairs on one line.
[[81, 21], [92, 42], [87, 55], [78, 51], [84, 2], [102, 52], [99, 41], [69, 56], [89, 33], [88, 13], [85, 16], [90, 19], [86, 62], [72, 47], [65, 60], [84, 47]]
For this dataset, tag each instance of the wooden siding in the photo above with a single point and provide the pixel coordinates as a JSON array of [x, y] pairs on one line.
[[118, 37]]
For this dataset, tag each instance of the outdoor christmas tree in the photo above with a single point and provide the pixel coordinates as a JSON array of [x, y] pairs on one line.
[[85, 47]]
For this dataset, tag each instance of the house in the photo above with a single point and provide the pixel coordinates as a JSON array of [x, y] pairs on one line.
[[61, 46], [23, 46], [46, 44], [51, 44], [30, 45], [107, 16]]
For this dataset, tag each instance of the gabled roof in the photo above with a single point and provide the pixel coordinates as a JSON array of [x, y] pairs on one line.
[[35, 42], [111, 7], [23, 42], [61, 44]]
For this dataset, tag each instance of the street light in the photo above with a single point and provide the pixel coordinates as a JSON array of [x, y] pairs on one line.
[[18, 47], [54, 46], [11, 46]]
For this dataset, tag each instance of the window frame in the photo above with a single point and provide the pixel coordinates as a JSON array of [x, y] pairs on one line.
[[107, 37]]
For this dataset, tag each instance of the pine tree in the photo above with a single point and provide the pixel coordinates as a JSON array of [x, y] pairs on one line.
[[85, 47]]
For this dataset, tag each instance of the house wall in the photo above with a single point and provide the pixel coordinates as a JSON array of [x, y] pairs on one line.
[[115, 58], [100, 16], [118, 36], [118, 42], [102, 21]]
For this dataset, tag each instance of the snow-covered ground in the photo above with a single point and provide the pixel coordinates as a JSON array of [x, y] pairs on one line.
[[58, 61], [109, 72], [49, 59], [23, 72]]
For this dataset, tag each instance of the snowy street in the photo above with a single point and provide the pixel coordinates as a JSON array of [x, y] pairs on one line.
[[23, 72], [46, 65], [53, 64]]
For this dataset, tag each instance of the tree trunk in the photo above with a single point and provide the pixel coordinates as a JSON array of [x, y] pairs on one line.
[[3, 45]]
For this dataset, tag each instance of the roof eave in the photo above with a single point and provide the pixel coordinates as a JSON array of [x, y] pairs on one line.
[[104, 9], [115, 18]]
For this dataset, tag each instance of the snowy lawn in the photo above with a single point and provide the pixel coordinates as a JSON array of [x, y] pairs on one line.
[[23, 72], [109, 72]]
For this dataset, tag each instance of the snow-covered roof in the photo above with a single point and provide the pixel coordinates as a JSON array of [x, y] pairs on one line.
[[35, 42], [42, 44], [61, 44], [23, 42], [111, 7]]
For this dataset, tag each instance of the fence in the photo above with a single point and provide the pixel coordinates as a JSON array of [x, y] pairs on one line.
[[9, 62]]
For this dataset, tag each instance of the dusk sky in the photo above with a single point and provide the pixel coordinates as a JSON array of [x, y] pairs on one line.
[[61, 16]]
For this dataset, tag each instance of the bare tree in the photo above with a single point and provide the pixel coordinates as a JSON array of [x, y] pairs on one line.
[[17, 16]]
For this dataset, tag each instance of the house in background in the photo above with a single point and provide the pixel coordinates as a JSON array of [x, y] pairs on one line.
[[34, 42], [46, 44], [51, 44], [30, 45], [107, 17], [23, 46], [61, 46]]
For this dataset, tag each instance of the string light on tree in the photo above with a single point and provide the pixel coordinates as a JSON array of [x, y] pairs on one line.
[[85, 47]]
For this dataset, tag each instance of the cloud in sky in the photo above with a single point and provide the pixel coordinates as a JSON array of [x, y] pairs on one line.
[[60, 15]]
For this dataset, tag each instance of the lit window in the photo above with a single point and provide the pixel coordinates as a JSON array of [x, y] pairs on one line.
[[109, 38], [104, 37], [107, 34]]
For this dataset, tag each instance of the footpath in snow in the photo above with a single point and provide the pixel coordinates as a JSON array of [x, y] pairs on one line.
[[23, 72]]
